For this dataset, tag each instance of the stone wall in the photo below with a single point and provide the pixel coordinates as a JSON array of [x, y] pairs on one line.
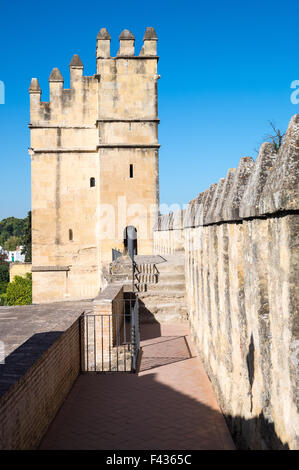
[[18, 269], [42, 361], [241, 251]]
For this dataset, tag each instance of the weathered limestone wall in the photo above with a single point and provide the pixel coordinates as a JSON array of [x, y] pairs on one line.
[[18, 269], [62, 200], [242, 259]]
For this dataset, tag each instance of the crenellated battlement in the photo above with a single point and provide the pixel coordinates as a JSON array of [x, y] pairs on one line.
[[255, 189], [117, 106], [65, 106], [127, 45], [86, 101]]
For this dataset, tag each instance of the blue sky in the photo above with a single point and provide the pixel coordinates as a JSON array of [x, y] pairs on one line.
[[225, 67]]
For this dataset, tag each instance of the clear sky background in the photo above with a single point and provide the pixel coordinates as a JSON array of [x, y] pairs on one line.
[[225, 67]]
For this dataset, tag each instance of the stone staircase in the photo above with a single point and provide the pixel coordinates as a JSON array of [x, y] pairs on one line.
[[160, 284], [165, 300]]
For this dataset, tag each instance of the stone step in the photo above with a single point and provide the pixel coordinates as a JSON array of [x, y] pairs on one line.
[[171, 277], [166, 286], [162, 307], [121, 277], [162, 315], [171, 268], [162, 295], [164, 289], [161, 288]]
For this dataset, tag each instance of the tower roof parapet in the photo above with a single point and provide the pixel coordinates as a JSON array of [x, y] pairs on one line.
[[76, 61], [34, 86], [56, 76], [103, 34], [150, 34], [126, 35]]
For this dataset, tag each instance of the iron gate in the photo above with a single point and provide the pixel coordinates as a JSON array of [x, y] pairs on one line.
[[111, 342]]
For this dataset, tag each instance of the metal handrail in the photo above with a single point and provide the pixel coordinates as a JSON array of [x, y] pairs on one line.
[[135, 334]]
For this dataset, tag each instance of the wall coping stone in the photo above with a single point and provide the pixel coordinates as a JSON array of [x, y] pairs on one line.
[[108, 294], [28, 331]]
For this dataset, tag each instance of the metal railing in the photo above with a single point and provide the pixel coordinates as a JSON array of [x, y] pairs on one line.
[[111, 342], [135, 334]]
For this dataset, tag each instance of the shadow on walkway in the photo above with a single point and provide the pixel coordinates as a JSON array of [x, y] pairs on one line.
[[169, 404], [126, 411], [167, 350]]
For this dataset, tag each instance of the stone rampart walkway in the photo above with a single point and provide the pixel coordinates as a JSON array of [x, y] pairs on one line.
[[169, 404]]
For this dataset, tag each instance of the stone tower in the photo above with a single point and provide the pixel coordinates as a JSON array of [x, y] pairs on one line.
[[94, 165]]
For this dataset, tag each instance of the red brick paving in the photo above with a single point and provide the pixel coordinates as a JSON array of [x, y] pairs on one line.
[[169, 404]]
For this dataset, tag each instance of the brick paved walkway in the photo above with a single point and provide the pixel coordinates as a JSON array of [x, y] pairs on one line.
[[169, 404]]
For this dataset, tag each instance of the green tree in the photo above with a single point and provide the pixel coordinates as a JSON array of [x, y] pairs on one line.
[[3, 287], [12, 243], [3, 257], [2, 299], [19, 292], [11, 227], [4, 273], [27, 239]]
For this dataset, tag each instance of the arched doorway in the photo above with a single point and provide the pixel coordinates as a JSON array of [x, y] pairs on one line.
[[130, 240]]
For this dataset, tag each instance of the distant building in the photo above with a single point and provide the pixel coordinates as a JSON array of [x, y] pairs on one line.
[[14, 256]]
